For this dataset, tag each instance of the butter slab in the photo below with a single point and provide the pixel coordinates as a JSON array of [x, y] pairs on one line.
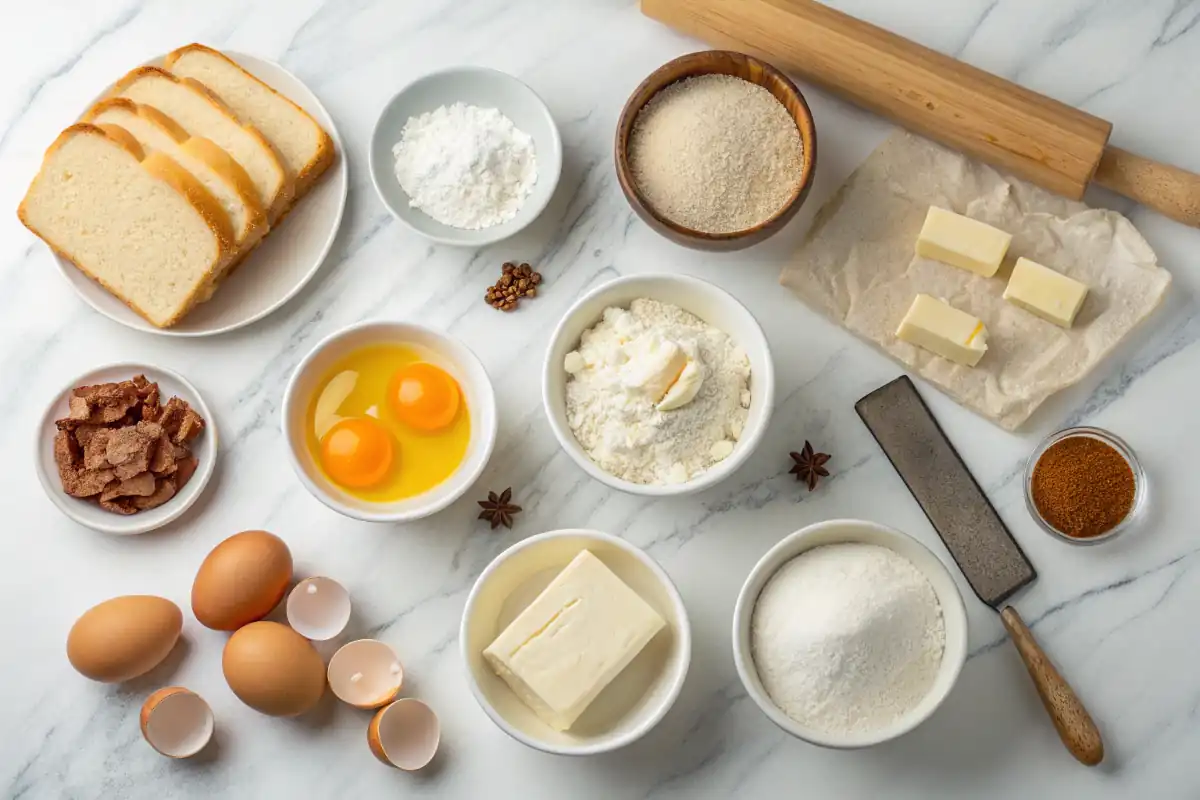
[[962, 242], [573, 640], [944, 330], [1048, 294]]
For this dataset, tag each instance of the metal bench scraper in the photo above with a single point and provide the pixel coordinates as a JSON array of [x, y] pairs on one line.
[[985, 551]]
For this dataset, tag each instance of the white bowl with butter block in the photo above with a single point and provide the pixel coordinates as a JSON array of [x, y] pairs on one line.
[[594, 645]]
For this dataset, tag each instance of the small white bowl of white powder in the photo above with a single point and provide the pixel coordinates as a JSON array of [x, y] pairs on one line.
[[658, 384], [466, 156], [848, 634]]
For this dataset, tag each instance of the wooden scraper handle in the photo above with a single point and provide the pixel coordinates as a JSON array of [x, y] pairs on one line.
[[1171, 191], [1072, 721]]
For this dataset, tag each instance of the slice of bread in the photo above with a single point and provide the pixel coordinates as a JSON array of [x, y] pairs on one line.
[[201, 113], [213, 167], [306, 148], [140, 225]]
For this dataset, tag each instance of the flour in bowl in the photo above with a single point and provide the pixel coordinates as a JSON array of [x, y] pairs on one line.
[[655, 394], [847, 638], [465, 166]]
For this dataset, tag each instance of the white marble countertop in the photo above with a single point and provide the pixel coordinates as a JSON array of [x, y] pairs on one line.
[[1119, 619]]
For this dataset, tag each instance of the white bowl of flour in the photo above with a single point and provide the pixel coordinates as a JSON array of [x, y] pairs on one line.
[[848, 634], [478, 153], [685, 449]]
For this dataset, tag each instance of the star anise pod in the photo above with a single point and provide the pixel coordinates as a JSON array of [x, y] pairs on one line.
[[498, 509], [810, 466]]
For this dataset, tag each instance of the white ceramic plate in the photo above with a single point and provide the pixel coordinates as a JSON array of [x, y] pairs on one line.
[[89, 513], [479, 86], [279, 267], [637, 699]]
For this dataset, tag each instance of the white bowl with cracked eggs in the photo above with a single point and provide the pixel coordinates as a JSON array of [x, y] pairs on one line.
[[713, 306]]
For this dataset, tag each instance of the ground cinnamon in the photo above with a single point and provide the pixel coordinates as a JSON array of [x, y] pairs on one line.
[[1083, 487]]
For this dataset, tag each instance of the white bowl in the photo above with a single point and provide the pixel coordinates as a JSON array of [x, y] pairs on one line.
[[478, 86], [706, 301], [90, 514], [839, 531], [635, 701], [438, 348]]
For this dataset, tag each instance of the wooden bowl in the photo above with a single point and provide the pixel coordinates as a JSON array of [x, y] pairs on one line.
[[739, 65]]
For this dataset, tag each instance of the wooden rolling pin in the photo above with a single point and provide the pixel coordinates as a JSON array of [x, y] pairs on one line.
[[994, 120]]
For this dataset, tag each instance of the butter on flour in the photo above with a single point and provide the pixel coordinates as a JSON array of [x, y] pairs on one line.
[[616, 405], [857, 267]]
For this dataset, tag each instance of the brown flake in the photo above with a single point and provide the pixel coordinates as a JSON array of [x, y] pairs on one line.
[[185, 468], [95, 452], [163, 460], [83, 433], [141, 485], [124, 445], [87, 482], [163, 492], [189, 427], [120, 505], [102, 403]]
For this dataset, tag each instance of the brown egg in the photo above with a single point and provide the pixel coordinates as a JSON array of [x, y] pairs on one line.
[[241, 580], [273, 669], [123, 637]]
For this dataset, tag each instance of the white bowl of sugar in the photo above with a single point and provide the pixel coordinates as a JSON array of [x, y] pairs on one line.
[[848, 634]]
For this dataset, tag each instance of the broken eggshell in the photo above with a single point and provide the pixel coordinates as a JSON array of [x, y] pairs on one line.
[[405, 734], [318, 608], [365, 673], [176, 722]]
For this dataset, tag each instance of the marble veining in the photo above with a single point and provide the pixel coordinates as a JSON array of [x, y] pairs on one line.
[[1119, 619]]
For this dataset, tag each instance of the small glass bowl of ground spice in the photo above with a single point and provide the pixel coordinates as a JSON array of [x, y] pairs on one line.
[[1084, 485]]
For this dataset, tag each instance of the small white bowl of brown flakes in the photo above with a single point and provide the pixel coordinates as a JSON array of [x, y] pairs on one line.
[[126, 448]]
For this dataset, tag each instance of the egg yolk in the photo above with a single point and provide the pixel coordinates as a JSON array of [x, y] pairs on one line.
[[357, 452], [423, 396]]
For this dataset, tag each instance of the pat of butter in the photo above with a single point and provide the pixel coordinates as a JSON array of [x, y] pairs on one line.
[[653, 365], [1042, 291], [684, 389], [962, 242], [572, 640], [944, 330]]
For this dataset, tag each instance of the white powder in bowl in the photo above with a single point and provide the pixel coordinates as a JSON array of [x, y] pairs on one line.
[[716, 153], [847, 638], [465, 166], [656, 395]]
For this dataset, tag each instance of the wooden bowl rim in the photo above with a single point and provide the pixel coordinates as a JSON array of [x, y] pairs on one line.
[[629, 114]]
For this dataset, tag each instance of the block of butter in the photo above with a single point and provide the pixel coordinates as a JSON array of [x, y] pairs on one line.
[[962, 242], [944, 330], [1044, 292], [572, 640]]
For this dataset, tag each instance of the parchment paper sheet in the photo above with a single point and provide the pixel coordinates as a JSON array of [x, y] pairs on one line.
[[857, 267]]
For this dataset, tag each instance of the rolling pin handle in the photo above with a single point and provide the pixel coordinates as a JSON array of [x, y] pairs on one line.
[[1171, 191]]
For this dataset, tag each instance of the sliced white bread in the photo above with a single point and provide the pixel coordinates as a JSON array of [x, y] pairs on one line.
[[213, 167], [306, 148], [201, 113], [140, 225]]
